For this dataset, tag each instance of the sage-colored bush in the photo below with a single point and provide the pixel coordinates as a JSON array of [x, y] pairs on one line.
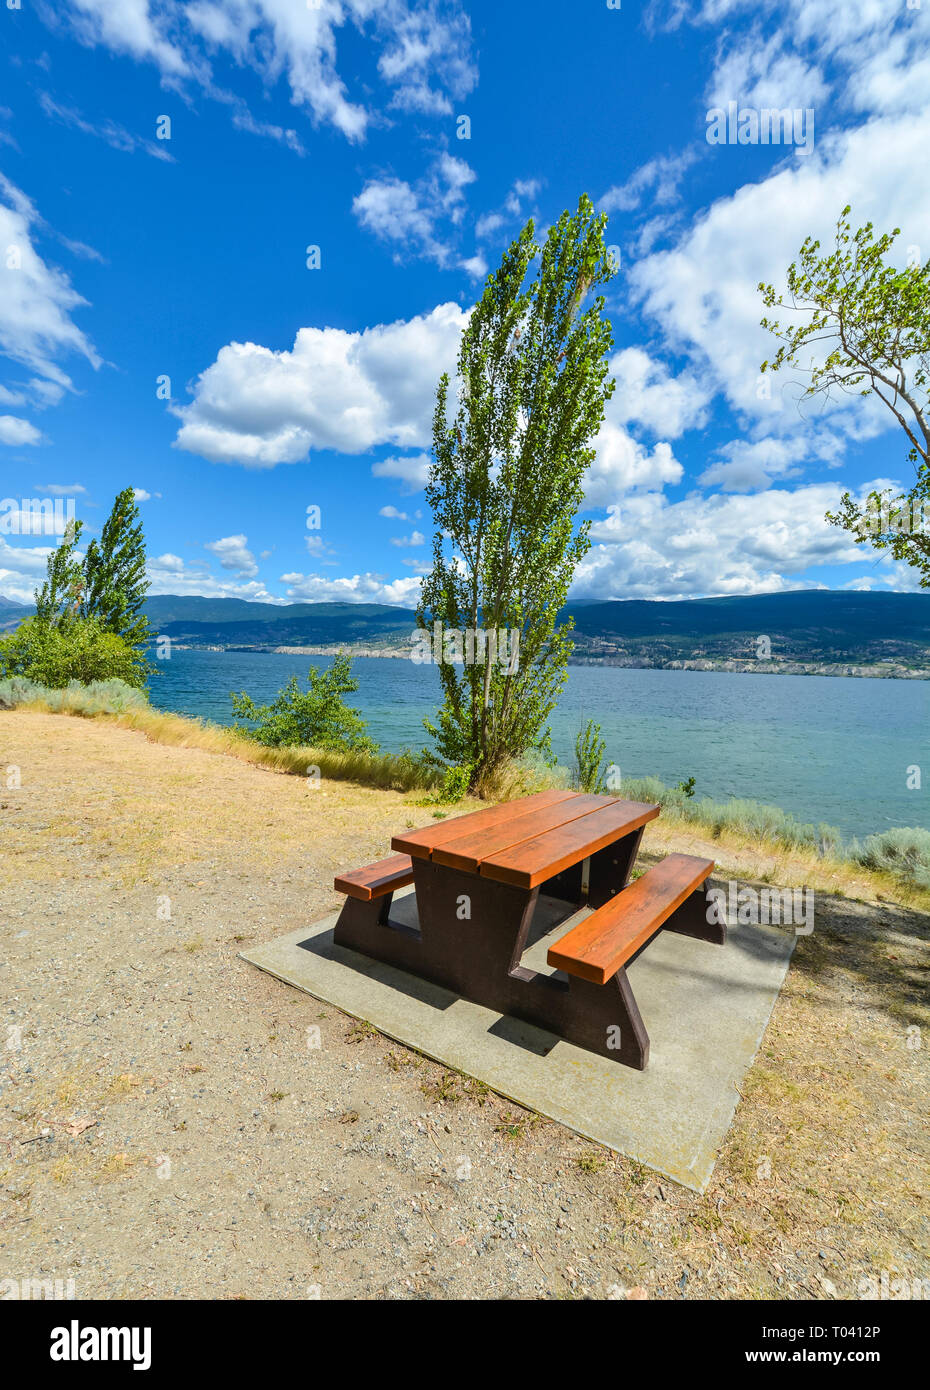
[[903, 851]]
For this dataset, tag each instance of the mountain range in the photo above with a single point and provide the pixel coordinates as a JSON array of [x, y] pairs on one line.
[[818, 626]]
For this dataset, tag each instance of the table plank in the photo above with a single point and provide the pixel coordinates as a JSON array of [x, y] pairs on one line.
[[468, 852], [529, 864], [374, 880], [598, 946], [421, 843]]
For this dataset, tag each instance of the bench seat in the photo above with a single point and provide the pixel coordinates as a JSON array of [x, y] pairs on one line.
[[374, 880], [600, 945]]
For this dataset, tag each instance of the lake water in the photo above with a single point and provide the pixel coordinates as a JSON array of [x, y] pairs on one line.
[[826, 748]]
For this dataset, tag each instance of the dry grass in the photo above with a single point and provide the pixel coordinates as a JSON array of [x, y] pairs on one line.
[[395, 770], [149, 812]]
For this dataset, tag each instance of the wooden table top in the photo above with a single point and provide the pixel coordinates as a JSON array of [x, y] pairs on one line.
[[525, 842]]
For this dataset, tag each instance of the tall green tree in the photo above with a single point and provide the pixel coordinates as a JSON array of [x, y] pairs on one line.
[[506, 482], [864, 327], [115, 585], [62, 593]]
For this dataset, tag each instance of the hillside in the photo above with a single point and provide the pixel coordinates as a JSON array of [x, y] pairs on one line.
[[810, 626], [815, 628]]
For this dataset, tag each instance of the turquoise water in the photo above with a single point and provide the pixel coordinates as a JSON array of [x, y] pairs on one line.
[[826, 748]]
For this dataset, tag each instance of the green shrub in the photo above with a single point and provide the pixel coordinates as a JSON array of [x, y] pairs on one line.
[[99, 697], [453, 786], [751, 818], [903, 852], [589, 758], [77, 649], [316, 717]]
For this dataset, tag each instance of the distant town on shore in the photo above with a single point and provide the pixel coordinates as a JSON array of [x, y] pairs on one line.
[[802, 632]]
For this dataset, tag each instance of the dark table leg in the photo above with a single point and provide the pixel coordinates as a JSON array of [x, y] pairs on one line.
[[610, 868], [473, 932]]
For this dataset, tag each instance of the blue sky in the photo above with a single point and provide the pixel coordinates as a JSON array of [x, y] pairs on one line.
[[127, 259]]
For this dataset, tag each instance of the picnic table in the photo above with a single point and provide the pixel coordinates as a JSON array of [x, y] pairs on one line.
[[483, 880]]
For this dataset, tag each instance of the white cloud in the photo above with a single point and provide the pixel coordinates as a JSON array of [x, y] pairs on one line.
[[170, 574], [747, 465], [45, 393], [22, 567], [703, 291], [646, 394], [412, 472], [424, 51], [391, 209], [129, 28], [408, 217], [759, 72], [892, 78], [243, 119], [406, 542], [15, 431], [623, 464], [488, 223], [871, 56], [233, 554], [521, 192], [359, 588], [476, 266], [115, 135], [317, 547], [63, 489], [393, 514], [662, 175], [332, 390], [36, 301], [649, 547], [169, 563], [422, 44]]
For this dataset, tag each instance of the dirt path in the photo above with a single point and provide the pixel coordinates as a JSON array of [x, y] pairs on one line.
[[167, 1132]]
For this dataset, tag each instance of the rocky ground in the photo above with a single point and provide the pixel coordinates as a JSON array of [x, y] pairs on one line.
[[166, 1131]]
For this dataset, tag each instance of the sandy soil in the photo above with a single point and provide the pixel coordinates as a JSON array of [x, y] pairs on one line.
[[166, 1131]]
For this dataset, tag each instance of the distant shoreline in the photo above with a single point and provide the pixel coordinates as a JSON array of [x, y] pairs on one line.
[[885, 670]]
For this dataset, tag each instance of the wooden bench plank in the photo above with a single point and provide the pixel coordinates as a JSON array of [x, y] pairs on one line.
[[374, 880], [597, 948], [469, 851], [531, 863], [421, 843]]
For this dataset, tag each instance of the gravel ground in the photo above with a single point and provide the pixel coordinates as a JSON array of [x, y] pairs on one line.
[[168, 1128]]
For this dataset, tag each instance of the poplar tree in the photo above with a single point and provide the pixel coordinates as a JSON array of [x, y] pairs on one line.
[[505, 485], [61, 594], [115, 585]]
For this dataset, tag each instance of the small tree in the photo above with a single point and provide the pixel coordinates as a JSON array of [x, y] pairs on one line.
[[62, 592], [115, 585], [505, 484], [876, 319], [315, 718], [89, 623], [109, 585]]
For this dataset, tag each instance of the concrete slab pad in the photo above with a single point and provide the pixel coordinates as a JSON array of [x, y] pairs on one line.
[[705, 1008]]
